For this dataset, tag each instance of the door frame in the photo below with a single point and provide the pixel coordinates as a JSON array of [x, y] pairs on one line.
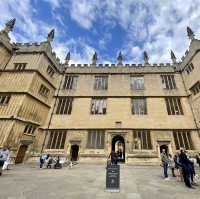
[[21, 145]]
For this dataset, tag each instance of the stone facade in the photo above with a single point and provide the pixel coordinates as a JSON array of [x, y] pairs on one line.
[[46, 106]]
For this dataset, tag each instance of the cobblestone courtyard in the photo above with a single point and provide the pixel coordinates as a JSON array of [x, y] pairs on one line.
[[88, 182]]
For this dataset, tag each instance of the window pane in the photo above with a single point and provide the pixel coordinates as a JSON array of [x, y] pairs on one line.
[[96, 139], [137, 83], [139, 106]]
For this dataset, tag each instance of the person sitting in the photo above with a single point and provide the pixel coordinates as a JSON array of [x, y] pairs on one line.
[[42, 160], [58, 165], [50, 162]]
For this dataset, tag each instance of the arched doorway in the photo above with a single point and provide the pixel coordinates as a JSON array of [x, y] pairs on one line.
[[118, 145], [21, 154], [74, 152], [164, 147]]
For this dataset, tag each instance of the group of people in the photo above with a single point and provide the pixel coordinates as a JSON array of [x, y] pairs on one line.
[[48, 161], [4, 159], [182, 164]]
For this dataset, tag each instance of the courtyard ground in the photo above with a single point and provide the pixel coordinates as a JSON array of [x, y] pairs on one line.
[[88, 182]]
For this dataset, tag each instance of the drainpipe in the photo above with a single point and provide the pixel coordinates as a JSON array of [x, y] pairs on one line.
[[49, 123]]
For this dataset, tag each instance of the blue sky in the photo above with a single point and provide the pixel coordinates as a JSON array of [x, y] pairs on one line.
[[106, 26]]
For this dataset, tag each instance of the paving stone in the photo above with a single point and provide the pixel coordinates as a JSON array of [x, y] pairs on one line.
[[88, 182]]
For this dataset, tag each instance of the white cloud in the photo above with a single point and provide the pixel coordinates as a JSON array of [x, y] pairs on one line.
[[85, 12], [80, 51], [156, 26]]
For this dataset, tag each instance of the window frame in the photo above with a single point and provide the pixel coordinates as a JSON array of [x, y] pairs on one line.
[[145, 139], [168, 82], [20, 66], [182, 139], [134, 83], [138, 104], [70, 82], [100, 82], [95, 139], [57, 139], [50, 71], [64, 105], [98, 100], [174, 106], [4, 100], [44, 91]]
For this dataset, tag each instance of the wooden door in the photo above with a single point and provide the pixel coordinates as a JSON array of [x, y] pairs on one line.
[[21, 153]]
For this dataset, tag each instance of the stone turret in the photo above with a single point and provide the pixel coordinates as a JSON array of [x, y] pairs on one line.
[[67, 58], [146, 58], [8, 28], [173, 57], [50, 36], [190, 33], [4, 34], [94, 59], [9, 25], [119, 58]]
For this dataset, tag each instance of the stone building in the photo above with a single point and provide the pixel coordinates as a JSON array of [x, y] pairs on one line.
[[84, 111]]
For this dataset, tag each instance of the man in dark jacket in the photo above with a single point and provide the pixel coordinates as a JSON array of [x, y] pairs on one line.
[[113, 157], [186, 168]]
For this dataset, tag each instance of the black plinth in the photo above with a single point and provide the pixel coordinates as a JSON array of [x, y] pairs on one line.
[[113, 178]]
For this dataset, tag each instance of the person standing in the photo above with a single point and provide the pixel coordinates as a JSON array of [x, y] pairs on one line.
[[186, 168], [172, 165], [164, 160], [7, 158], [3, 157], [1, 161], [198, 159], [113, 157]]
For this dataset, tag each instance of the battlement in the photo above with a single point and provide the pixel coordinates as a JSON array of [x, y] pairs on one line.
[[118, 65], [38, 47]]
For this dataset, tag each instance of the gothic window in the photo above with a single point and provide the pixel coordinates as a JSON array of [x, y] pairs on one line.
[[44, 91], [29, 129], [168, 82], [139, 106], [173, 105], [70, 82], [50, 71], [57, 139], [182, 139], [64, 105], [142, 139], [96, 139], [137, 82], [20, 66], [195, 89], [98, 106], [4, 99], [101, 83], [189, 68]]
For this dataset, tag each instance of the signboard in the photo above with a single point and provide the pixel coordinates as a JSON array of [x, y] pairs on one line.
[[113, 178]]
